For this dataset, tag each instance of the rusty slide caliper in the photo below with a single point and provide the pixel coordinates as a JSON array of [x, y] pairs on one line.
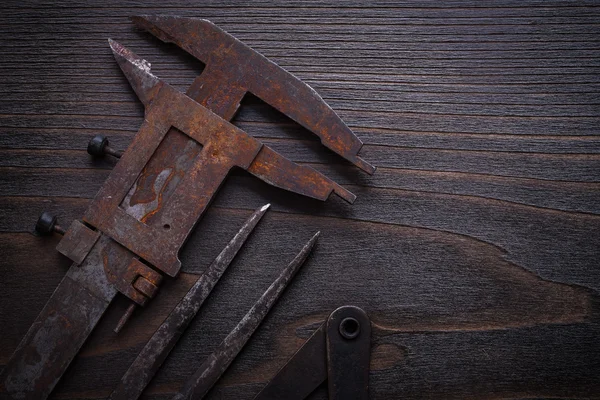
[[133, 230]]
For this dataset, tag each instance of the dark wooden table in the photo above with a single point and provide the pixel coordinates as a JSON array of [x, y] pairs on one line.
[[474, 248]]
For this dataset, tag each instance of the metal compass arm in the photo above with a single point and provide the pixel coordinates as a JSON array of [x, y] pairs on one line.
[[338, 352]]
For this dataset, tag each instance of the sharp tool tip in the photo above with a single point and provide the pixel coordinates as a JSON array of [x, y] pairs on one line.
[[116, 46], [310, 244]]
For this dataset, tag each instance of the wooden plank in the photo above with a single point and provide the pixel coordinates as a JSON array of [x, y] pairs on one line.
[[474, 247]]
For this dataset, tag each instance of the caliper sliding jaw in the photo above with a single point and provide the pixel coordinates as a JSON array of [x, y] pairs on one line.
[[133, 230]]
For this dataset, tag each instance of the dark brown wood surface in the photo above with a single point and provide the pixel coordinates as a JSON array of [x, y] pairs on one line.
[[474, 248]]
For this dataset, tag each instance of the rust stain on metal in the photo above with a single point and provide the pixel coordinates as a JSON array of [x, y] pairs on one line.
[[233, 69], [80, 240]]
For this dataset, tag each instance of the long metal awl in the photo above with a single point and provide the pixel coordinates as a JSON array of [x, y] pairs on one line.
[[166, 336], [213, 367]]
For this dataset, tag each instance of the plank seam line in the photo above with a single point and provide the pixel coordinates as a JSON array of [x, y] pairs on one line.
[[271, 140], [425, 192]]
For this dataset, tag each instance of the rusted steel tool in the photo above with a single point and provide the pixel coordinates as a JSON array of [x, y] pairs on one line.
[[213, 367], [166, 336], [233, 69], [133, 230], [339, 352]]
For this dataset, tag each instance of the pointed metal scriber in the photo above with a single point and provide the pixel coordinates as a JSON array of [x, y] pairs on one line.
[[213, 367], [166, 336]]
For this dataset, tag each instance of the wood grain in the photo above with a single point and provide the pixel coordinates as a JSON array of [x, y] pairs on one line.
[[474, 248]]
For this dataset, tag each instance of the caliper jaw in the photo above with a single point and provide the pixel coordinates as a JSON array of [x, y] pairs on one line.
[[233, 69]]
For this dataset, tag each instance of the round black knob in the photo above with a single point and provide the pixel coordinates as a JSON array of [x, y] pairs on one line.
[[97, 145], [46, 224]]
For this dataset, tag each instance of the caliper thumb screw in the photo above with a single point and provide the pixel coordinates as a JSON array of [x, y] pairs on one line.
[[47, 224], [98, 146]]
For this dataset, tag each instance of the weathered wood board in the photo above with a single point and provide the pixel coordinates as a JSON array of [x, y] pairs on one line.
[[475, 247]]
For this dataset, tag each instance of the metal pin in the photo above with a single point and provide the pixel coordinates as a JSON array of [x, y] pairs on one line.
[[125, 317]]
